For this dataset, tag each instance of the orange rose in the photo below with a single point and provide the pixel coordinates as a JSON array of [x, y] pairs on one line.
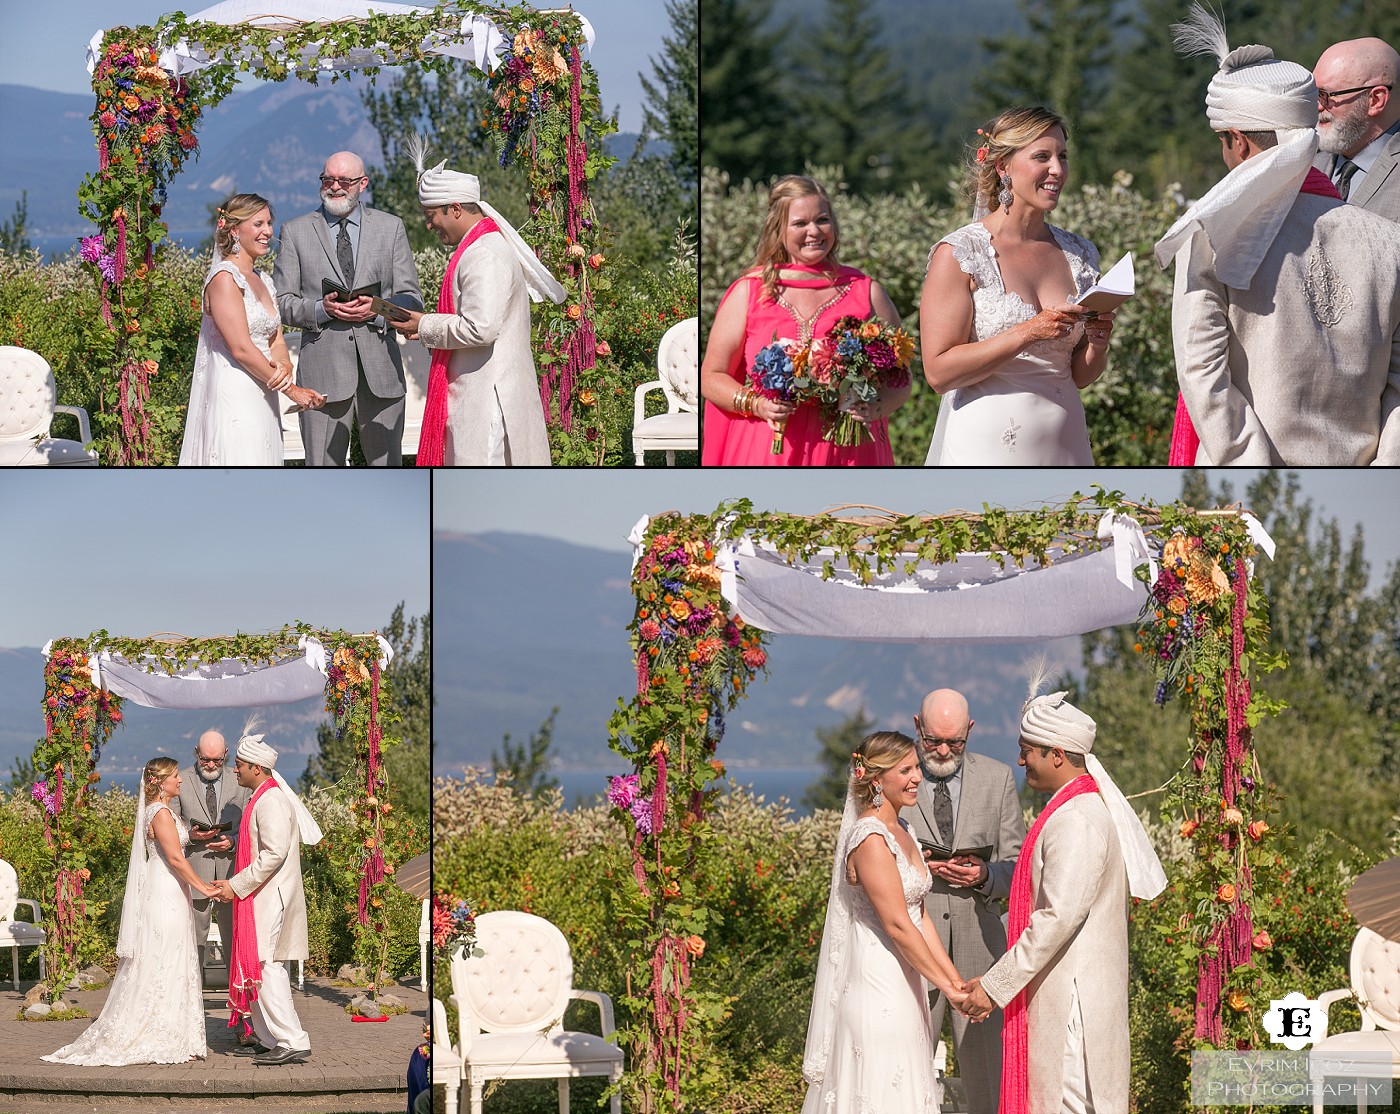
[[1231, 816], [1226, 893], [1257, 828], [574, 312], [1238, 1002], [870, 330], [150, 367], [1188, 828], [587, 398], [603, 348], [595, 260], [695, 945], [578, 251], [1262, 941], [672, 889]]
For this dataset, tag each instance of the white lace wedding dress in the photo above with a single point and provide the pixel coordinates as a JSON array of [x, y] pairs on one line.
[[880, 1043], [232, 418], [154, 1012], [1027, 412]]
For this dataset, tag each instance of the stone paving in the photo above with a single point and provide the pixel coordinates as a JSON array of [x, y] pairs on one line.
[[355, 1067]]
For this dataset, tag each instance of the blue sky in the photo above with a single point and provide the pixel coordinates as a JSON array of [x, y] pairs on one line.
[[599, 509], [208, 552], [46, 47]]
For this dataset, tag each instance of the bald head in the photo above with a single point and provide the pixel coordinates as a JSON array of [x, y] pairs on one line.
[[210, 755], [944, 714], [344, 164], [1355, 119]]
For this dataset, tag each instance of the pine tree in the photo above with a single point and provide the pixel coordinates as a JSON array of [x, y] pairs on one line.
[[748, 129], [670, 112], [526, 767], [854, 101], [1062, 62], [838, 743]]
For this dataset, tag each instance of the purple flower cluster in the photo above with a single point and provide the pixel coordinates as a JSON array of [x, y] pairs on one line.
[[699, 620], [91, 250], [1168, 585], [675, 556], [641, 813], [44, 796], [622, 791]]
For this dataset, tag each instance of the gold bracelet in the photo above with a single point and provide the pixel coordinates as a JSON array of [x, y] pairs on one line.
[[737, 402]]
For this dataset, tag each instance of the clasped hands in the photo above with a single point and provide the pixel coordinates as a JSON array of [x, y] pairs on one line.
[[972, 1001], [222, 891], [1057, 322]]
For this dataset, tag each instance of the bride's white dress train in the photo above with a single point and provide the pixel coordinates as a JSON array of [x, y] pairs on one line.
[[154, 1012], [880, 1039], [232, 418]]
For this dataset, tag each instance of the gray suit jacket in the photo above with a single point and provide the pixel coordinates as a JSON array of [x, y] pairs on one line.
[[191, 805], [1379, 191], [327, 362], [989, 815]]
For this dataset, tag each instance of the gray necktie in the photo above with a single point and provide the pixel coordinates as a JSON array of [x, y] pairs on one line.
[[943, 809], [344, 256], [211, 802], [1348, 172]]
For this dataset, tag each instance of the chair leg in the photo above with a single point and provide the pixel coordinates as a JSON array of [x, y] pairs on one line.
[[564, 1096], [451, 1092], [477, 1086], [670, 458], [616, 1102], [14, 965], [641, 457]]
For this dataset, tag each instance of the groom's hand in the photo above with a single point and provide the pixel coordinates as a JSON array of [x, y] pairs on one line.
[[978, 1006], [409, 325], [225, 890]]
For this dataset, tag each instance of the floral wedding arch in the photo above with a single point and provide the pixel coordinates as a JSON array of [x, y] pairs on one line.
[[152, 84], [710, 588], [86, 682]]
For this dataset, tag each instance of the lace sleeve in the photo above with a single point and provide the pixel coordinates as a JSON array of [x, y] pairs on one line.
[[862, 831], [969, 249]]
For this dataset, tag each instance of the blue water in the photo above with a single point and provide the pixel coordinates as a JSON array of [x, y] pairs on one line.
[[768, 783]]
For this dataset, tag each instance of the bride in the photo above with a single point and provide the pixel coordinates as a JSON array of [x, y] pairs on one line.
[[870, 1041], [154, 1013], [242, 363]]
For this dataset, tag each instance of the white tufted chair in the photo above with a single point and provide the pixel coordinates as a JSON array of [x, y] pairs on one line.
[[510, 1001], [416, 361], [1375, 983], [18, 934], [446, 1064], [678, 361], [28, 402]]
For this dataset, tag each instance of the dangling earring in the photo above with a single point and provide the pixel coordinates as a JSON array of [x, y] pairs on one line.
[[235, 249], [1005, 197], [877, 794]]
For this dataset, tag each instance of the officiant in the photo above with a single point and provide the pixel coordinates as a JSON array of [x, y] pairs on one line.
[[211, 803], [348, 352], [969, 825]]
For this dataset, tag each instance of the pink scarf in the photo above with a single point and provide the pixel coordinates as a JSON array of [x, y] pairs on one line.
[[244, 964], [434, 434], [1015, 1056], [1182, 453]]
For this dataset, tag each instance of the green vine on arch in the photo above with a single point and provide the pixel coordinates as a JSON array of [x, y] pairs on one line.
[[550, 120], [79, 719], [695, 660]]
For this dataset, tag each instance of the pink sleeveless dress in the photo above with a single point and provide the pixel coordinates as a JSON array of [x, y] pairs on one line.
[[730, 439]]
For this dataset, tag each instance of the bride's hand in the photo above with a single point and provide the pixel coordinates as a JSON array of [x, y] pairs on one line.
[[1053, 322], [305, 398]]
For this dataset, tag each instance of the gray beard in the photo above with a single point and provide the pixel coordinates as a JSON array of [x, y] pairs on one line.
[[1344, 134], [339, 206], [933, 768], [209, 778]]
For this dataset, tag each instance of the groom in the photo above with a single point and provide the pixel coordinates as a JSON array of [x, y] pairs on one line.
[[347, 352], [269, 912]]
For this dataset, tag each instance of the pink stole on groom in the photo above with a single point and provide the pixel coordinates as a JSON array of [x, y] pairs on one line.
[[434, 434], [1015, 1046], [1182, 453], [244, 963]]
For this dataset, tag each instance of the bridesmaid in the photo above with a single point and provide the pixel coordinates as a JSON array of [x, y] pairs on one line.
[[795, 290]]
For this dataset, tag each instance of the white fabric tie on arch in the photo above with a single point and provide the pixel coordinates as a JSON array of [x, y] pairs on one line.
[[226, 683], [969, 599], [478, 40]]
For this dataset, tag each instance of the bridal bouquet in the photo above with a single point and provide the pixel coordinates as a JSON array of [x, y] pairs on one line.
[[847, 366]]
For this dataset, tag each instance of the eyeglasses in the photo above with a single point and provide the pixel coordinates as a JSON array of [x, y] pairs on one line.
[[209, 761], [1326, 99], [343, 183], [955, 745]]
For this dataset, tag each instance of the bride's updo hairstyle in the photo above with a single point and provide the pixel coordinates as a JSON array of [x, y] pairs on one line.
[[156, 771], [1007, 133], [234, 212], [876, 755], [771, 255]]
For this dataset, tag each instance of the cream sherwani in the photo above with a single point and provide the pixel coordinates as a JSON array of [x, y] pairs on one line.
[[273, 879], [494, 415], [1303, 367], [1072, 962]]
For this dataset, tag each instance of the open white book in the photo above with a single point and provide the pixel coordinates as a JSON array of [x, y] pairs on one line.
[[1112, 289]]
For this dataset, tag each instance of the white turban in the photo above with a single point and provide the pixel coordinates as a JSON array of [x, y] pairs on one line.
[[1052, 721], [1253, 91], [251, 748], [439, 186]]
